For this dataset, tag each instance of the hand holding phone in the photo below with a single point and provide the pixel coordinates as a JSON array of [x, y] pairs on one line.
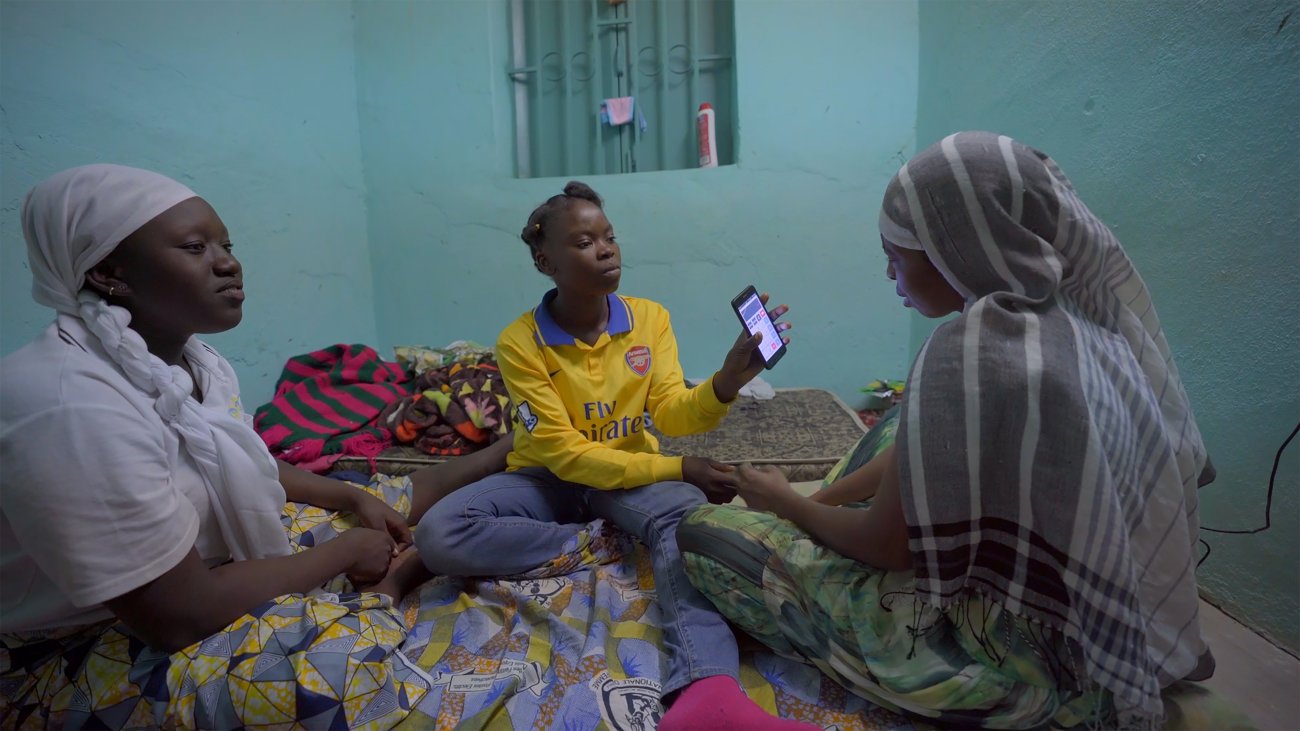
[[746, 358], [754, 318]]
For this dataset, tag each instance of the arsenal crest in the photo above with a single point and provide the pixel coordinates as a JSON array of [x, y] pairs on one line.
[[638, 359]]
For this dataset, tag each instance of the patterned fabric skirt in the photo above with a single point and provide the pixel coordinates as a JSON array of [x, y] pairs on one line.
[[326, 660], [971, 666]]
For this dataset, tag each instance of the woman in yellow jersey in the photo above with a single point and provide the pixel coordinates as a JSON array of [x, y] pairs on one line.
[[584, 368]]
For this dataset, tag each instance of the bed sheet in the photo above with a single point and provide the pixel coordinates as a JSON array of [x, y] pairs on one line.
[[576, 646]]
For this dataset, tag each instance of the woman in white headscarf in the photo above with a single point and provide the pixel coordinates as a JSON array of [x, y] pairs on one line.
[[1029, 553], [148, 579]]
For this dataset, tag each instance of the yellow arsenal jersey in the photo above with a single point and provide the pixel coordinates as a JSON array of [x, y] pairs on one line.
[[581, 410]]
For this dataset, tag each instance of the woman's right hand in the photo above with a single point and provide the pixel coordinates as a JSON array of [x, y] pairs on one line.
[[369, 552], [191, 601], [715, 479], [744, 361]]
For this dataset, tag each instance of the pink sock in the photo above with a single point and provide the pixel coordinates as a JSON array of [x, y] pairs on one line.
[[717, 703]]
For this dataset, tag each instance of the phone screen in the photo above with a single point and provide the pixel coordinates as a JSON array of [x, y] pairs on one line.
[[755, 317]]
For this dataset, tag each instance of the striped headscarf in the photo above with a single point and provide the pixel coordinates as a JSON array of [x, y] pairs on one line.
[[1048, 454]]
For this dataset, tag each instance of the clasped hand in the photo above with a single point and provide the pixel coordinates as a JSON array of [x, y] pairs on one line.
[[762, 488], [375, 514], [713, 478]]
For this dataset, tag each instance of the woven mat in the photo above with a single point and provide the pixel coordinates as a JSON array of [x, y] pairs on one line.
[[803, 431]]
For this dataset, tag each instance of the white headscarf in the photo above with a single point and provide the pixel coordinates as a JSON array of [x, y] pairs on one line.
[[72, 221]]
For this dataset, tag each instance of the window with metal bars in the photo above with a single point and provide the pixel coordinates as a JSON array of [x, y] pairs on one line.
[[670, 56]]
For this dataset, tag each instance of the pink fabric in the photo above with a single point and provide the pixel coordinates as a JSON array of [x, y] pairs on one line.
[[717, 703], [619, 110]]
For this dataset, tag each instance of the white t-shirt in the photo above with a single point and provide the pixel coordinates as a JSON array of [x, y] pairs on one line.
[[97, 495]]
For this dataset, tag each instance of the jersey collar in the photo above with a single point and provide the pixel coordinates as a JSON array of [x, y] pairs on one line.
[[550, 334]]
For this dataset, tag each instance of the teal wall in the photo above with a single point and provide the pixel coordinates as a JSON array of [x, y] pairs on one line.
[[251, 104], [361, 154], [796, 216], [1179, 123]]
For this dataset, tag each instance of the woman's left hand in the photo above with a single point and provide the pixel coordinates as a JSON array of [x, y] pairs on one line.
[[764, 488], [713, 478], [374, 513], [744, 361]]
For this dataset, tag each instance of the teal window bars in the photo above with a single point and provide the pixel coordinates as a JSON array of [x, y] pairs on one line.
[[568, 56]]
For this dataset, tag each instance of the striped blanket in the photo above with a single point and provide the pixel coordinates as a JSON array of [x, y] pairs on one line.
[[326, 403]]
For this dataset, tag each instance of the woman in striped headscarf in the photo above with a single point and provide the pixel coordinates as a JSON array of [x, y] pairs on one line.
[[1036, 517]]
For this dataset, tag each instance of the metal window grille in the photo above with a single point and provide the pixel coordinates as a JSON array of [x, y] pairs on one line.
[[570, 55]]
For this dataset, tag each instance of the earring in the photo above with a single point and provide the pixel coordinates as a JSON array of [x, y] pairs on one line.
[[110, 291]]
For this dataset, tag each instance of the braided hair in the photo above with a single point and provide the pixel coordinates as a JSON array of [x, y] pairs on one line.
[[540, 219]]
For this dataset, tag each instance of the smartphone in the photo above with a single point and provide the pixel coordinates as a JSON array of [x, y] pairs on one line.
[[753, 316]]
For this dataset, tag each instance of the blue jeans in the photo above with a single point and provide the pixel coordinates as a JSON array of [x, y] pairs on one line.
[[512, 522]]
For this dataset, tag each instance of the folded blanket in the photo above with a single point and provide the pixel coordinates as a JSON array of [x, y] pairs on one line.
[[326, 404], [456, 409], [417, 359]]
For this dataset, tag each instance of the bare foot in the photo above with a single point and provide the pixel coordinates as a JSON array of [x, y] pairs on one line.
[[1204, 667], [405, 573]]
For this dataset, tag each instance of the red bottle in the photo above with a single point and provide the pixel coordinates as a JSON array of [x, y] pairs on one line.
[[706, 129]]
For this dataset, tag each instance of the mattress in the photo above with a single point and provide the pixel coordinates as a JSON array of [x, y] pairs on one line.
[[802, 431]]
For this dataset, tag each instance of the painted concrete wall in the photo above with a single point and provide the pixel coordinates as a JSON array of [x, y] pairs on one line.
[[1179, 123], [796, 216], [253, 105], [361, 155]]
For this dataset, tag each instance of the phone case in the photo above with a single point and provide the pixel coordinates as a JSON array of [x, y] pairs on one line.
[[736, 303]]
